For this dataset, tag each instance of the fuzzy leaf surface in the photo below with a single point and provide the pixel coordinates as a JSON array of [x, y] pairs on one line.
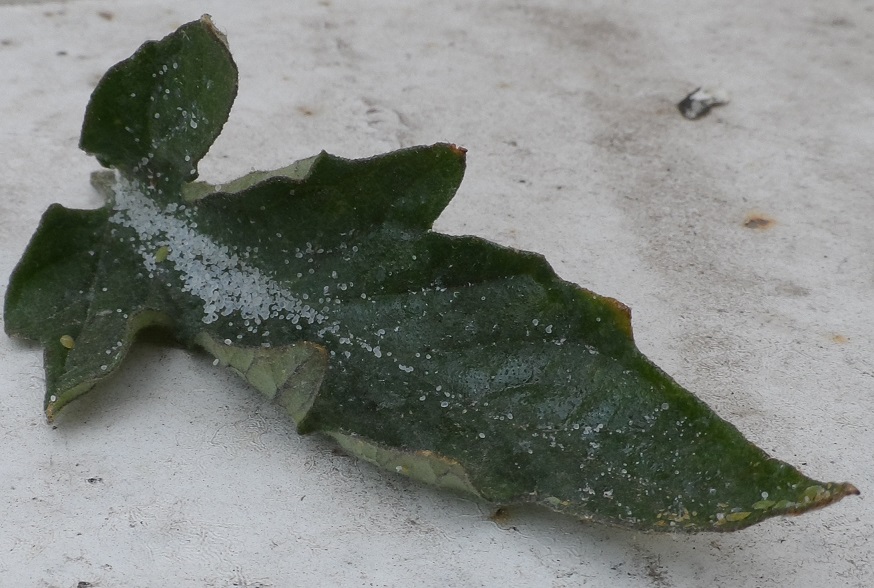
[[453, 360]]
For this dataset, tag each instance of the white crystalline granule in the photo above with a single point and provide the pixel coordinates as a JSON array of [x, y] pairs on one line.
[[209, 270], [225, 282]]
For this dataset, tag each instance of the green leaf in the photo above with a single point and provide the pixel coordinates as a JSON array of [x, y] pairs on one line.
[[156, 114], [452, 360]]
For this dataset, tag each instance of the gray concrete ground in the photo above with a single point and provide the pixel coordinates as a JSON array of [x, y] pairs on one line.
[[742, 242]]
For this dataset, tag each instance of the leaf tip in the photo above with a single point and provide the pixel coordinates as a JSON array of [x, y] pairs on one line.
[[817, 496], [850, 489], [458, 149], [206, 21]]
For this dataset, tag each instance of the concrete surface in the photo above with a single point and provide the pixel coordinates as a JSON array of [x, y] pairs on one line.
[[178, 475]]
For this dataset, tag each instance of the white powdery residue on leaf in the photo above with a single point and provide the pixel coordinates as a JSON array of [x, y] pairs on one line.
[[227, 282], [208, 270]]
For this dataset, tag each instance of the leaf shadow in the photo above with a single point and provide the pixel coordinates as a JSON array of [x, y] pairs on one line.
[[111, 398]]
